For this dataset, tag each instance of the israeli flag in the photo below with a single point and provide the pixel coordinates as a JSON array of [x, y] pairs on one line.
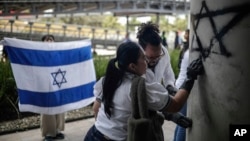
[[52, 78]]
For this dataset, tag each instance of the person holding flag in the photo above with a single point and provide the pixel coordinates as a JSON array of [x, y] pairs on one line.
[[52, 78], [52, 125]]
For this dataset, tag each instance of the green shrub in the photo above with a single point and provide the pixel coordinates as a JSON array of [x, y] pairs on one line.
[[7, 83], [101, 63], [8, 92], [174, 57]]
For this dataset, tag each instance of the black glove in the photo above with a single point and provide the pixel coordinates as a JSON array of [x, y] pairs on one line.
[[171, 90], [194, 69], [179, 119]]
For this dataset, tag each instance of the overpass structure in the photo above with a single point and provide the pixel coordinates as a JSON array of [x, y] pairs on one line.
[[12, 13], [117, 7], [38, 8]]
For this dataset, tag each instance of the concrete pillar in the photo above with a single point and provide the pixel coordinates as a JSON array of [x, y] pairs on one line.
[[48, 27], [30, 24], [64, 30], [11, 25], [220, 33], [117, 35], [93, 33], [105, 38], [157, 19], [127, 23], [188, 17], [93, 40], [79, 28], [30, 32]]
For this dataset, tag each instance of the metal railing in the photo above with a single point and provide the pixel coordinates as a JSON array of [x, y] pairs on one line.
[[35, 31]]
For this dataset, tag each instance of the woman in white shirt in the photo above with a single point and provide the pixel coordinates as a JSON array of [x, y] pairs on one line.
[[180, 132], [114, 93]]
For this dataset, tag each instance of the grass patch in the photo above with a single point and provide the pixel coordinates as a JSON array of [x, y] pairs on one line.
[[174, 59]]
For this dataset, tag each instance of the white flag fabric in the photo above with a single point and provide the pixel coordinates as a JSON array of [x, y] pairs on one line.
[[52, 78]]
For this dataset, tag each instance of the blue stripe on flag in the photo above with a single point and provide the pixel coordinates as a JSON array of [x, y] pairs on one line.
[[58, 98], [48, 58]]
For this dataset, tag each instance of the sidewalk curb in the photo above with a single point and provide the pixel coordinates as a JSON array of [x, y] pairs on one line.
[[38, 126]]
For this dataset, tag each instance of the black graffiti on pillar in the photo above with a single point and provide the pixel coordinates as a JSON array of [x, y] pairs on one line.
[[239, 12]]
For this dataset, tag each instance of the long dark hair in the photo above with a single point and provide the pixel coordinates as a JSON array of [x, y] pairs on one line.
[[127, 53], [148, 33], [184, 49]]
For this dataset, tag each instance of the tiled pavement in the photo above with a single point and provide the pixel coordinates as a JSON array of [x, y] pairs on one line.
[[74, 131]]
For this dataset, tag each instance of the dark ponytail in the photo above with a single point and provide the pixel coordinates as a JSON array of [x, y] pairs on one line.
[[112, 81], [128, 52]]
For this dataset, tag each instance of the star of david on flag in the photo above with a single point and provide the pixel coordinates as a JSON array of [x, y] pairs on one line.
[[52, 78], [58, 81]]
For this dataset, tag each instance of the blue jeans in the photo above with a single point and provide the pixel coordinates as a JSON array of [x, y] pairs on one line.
[[95, 135], [180, 132]]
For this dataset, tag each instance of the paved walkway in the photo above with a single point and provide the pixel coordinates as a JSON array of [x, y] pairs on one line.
[[74, 131]]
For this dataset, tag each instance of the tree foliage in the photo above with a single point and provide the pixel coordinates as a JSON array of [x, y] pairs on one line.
[[133, 23], [110, 21], [180, 24]]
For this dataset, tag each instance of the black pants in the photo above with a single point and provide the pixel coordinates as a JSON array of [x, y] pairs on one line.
[[95, 135]]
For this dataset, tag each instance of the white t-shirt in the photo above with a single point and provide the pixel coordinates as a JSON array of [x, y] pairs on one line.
[[163, 72], [116, 127], [183, 70]]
